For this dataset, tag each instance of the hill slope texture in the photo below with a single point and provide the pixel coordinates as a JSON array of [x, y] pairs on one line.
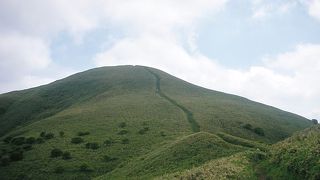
[[103, 122]]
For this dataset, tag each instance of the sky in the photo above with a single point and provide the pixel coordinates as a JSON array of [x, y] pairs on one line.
[[265, 50]]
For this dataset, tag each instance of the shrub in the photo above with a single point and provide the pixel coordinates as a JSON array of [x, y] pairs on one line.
[[108, 142], [49, 136], [93, 145], [77, 140], [162, 134], [30, 140], [18, 141], [122, 132], [7, 139], [144, 130], [5, 161], [258, 131], [83, 133], [59, 170], [27, 147], [66, 155], [122, 125], [42, 134], [16, 155], [125, 141], [61, 134], [56, 153], [84, 168], [107, 158], [247, 126], [39, 140]]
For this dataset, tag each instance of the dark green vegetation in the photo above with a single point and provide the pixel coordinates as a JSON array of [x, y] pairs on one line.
[[132, 121], [298, 157]]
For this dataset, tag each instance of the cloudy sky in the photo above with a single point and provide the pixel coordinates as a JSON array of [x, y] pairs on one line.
[[265, 50]]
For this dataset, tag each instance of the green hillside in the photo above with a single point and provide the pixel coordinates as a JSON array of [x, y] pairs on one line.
[[127, 121], [298, 157]]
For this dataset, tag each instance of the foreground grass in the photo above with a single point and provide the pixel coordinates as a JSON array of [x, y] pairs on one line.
[[237, 166]]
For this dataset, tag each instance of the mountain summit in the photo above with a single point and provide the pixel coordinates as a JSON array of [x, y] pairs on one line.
[[109, 118]]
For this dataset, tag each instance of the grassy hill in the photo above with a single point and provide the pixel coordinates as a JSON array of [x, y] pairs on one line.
[[105, 121]]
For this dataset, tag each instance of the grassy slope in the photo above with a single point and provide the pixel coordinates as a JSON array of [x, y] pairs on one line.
[[184, 153], [237, 166], [215, 111], [298, 157], [98, 100]]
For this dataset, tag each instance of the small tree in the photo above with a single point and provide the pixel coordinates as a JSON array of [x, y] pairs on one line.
[[56, 153]]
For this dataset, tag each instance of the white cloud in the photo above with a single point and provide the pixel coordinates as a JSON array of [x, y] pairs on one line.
[[313, 8], [262, 8], [21, 54]]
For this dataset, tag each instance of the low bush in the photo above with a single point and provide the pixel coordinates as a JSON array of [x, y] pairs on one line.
[[83, 133], [143, 130], [247, 126], [258, 131], [77, 140], [66, 155], [108, 142], [49, 136], [93, 145], [27, 147], [39, 140], [30, 140], [16, 155], [56, 153], [7, 140], [122, 132], [43, 134], [5, 161], [125, 141], [162, 134], [122, 125], [18, 141], [61, 134], [84, 168], [59, 170], [107, 158]]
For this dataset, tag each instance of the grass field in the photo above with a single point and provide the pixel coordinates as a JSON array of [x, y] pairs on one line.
[[141, 122]]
